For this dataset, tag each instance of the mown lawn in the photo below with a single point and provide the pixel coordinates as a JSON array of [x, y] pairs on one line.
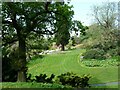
[[69, 61], [29, 85], [111, 86], [26, 85]]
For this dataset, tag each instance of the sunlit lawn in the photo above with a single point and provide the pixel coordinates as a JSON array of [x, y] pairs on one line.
[[69, 61]]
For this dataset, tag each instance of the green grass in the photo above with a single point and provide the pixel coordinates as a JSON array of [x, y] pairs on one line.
[[69, 61], [29, 85], [42, 85], [111, 86]]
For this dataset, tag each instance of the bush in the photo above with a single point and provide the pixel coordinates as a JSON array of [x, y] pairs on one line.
[[113, 52], [114, 61], [74, 80], [104, 39], [41, 78], [94, 54], [8, 73], [46, 46]]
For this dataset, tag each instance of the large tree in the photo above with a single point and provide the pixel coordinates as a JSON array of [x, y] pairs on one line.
[[63, 26], [21, 19]]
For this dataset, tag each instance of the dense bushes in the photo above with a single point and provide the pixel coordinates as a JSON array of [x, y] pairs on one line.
[[101, 53], [41, 78], [113, 52], [101, 40], [94, 54], [9, 69], [74, 80], [66, 79], [107, 51], [8, 73]]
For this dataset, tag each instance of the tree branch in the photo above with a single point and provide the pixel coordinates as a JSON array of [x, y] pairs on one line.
[[9, 41], [6, 22]]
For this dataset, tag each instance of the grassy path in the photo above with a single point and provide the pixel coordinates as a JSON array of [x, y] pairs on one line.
[[69, 61]]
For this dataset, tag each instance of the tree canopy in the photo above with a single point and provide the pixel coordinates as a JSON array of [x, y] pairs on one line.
[[20, 19]]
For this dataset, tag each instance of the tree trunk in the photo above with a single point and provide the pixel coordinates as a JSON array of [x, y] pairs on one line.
[[22, 60], [21, 76], [62, 47]]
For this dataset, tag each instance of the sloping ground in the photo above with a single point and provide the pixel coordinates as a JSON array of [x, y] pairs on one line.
[[69, 61]]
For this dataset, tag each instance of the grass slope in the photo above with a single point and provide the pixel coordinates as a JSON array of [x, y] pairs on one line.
[[69, 61]]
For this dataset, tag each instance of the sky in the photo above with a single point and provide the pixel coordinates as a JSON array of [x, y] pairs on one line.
[[83, 9]]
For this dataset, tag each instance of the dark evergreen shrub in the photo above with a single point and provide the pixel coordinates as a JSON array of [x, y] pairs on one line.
[[73, 80], [44, 79]]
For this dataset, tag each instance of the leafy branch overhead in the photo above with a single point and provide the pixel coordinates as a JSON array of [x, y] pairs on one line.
[[22, 19]]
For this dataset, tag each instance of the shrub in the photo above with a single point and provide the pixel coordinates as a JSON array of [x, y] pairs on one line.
[[92, 63], [94, 54], [114, 61], [74, 80], [43, 78], [113, 52]]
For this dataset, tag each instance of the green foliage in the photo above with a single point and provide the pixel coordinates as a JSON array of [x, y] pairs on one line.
[[36, 44], [21, 19], [73, 41], [69, 45], [46, 46], [77, 26], [74, 80], [8, 74], [109, 46], [10, 64], [106, 42], [101, 63], [82, 38], [43, 78], [112, 52], [94, 54], [63, 35], [93, 35]]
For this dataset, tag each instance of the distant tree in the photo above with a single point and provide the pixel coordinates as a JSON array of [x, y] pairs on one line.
[[21, 19], [106, 14], [63, 26], [64, 29]]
